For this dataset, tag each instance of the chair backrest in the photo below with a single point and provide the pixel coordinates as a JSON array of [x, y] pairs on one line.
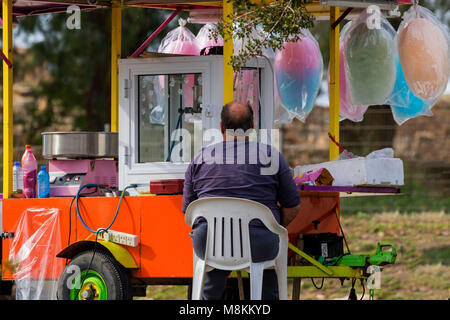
[[228, 241]]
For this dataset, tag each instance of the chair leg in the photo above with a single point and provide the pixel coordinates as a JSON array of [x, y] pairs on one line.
[[281, 271], [198, 278], [240, 285], [256, 280]]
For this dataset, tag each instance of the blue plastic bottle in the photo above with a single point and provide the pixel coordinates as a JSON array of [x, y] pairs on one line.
[[43, 183]]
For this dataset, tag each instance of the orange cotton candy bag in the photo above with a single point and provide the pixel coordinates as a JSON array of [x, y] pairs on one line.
[[424, 52]]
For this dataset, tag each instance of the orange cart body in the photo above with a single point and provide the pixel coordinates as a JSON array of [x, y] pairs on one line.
[[164, 246]]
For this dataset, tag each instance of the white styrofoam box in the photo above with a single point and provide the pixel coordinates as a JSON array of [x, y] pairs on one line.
[[361, 171]]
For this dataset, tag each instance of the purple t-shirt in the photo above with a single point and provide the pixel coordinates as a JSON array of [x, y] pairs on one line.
[[241, 169]]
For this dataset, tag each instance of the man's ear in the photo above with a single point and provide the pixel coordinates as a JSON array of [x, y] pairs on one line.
[[222, 128]]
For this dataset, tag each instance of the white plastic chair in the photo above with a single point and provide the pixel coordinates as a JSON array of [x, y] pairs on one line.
[[228, 242]]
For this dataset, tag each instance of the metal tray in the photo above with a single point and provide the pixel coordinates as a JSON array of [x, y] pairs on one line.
[[79, 145]]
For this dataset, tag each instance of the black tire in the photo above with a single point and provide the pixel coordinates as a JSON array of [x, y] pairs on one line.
[[112, 273]]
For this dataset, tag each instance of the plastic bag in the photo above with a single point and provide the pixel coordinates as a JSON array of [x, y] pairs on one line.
[[424, 51], [404, 104], [246, 82], [369, 60], [318, 177], [347, 110], [298, 71], [203, 39], [381, 153], [32, 253], [179, 41], [246, 89]]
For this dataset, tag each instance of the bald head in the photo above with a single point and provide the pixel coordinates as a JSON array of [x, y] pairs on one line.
[[236, 115]]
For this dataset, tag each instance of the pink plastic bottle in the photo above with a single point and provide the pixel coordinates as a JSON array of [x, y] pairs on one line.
[[29, 169]]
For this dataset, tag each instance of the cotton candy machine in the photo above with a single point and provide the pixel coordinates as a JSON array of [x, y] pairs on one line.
[[79, 158]]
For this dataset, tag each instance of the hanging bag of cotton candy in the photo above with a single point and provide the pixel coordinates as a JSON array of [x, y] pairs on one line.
[[298, 69], [404, 103], [423, 47], [181, 41], [369, 50], [204, 39], [347, 109]]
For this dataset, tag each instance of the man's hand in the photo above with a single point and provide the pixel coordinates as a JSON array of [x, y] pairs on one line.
[[288, 214]]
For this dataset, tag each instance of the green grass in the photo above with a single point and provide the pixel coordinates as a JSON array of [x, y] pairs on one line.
[[439, 255]]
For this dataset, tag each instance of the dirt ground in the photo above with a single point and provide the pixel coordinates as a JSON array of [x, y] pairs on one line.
[[421, 271]]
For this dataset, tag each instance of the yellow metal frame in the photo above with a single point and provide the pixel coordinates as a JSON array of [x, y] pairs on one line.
[[228, 95], [7, 8], [116, 52], [334, 82]]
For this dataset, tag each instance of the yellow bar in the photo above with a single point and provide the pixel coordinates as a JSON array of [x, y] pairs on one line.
[[313, 272], [311, 260], [116, 49], [334, 82], [7, 99], [227, 54]]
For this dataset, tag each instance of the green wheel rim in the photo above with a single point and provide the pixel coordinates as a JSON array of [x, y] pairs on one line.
[[93, 285]]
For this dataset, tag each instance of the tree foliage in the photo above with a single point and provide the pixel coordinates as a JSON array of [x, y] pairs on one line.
[[263, 25]]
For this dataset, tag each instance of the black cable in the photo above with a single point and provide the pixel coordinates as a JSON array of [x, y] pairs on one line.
[[98, 232], [70, 224], [342, 231], [364, 289], [314, 284], [339, 259]]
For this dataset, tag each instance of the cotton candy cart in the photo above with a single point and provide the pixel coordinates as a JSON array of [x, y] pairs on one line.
[[151, 243]]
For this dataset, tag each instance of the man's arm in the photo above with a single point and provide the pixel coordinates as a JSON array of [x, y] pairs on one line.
[[288, 214], [288, 194], [188, 189]]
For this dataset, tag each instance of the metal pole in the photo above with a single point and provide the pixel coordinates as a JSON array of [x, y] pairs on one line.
[[227, 54], [116, 49], [334, 82], [7, 98], [155, 33]]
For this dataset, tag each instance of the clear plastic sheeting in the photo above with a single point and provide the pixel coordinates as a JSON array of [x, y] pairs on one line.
[[369, 50], [32, 254], [424, 51], [298, 69]]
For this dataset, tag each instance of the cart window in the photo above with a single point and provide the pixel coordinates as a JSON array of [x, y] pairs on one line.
[[167, 103]]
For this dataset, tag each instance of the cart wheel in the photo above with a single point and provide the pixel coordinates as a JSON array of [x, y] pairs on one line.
[[102, 279]]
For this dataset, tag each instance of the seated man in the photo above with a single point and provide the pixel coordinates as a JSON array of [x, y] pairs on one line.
[[267, 180]]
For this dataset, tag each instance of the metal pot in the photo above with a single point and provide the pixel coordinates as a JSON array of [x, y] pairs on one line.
[[79, 145]]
